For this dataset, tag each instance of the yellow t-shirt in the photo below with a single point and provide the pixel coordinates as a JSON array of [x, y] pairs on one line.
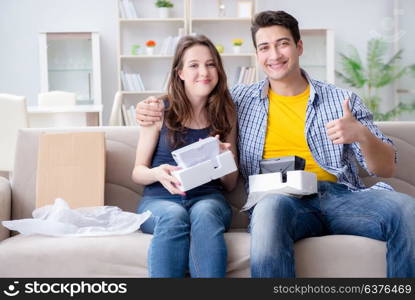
[[285, 131]]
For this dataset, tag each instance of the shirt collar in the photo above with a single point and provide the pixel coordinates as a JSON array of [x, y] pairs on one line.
[[264, 87]]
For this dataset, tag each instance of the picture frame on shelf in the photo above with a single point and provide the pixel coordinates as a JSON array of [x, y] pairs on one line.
[[244, 9]]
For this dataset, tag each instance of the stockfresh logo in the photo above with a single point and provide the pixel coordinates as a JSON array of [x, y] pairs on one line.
[[12, 289]]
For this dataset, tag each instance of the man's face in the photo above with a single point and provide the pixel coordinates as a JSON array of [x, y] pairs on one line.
[[277, 53]]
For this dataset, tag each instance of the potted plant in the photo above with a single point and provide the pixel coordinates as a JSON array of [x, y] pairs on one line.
[[373, 75], [164, 7], [134, 49], [237, 44], [220, 48], [150, 45]]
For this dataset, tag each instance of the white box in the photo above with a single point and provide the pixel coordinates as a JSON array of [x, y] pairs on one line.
[[201, 163], [299, 183], [198, 152]]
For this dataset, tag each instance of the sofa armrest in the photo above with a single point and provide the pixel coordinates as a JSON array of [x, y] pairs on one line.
[[5, 206]]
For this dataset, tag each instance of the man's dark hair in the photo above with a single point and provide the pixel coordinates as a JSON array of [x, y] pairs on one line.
[[270, 18]]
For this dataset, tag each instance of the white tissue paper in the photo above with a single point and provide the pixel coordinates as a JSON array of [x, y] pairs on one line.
[[60, 220]]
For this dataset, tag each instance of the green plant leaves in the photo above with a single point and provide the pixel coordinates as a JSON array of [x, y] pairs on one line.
[[163, 3], [377, 73], [354, 71]]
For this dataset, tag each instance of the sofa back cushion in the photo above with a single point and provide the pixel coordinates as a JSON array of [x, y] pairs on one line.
[[403, 136], [121, 191]]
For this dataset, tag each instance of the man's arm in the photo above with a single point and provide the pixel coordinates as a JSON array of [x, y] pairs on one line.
[[378, 155], [147, 113]]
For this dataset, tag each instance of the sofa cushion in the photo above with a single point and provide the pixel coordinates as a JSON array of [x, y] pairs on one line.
[[114, 256], [402, 134], [340, 256], [45, 256], [126, 256]]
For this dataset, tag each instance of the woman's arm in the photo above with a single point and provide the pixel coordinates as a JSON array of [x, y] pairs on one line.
[[229, 181], [147, 141], [142, 173]]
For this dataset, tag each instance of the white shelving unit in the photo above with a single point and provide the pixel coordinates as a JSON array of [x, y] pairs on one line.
[[70, 61], [220, 25], [318, 58], [153, 69]]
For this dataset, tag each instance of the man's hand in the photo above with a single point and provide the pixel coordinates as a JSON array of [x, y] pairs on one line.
[[347, 129], [379, 156], [149, 111]]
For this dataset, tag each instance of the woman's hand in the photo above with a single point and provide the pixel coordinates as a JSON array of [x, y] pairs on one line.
[[163, 174], [229, 180], [223, 146]]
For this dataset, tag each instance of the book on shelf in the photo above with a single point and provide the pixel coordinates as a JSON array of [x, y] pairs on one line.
[[168, 46], [140, 82], [166, 82], [241, 75], [124, 114], [245, 75], [125, 85], [132, 82], [131, 112], [253, 76], [128, 115], [123, 13]]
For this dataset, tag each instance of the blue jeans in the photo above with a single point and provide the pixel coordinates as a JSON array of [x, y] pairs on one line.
[[278, 221], [187, 235]]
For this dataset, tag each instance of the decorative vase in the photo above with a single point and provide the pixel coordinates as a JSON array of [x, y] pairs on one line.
[[164, 12], [150, 50], [236, 49]]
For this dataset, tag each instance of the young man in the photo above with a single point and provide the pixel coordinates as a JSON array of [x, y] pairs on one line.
[[289, 113]]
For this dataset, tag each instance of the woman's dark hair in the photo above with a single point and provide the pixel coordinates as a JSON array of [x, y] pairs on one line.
[[270, 18], [220, 107]]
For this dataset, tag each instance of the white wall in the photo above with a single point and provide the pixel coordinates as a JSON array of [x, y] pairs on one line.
[[22, 20], [407, 42], [354, 22]]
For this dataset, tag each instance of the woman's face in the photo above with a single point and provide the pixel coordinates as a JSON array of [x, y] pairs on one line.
[[199, 72]]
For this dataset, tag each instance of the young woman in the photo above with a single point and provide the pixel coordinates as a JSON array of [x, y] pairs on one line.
[[188, 227]]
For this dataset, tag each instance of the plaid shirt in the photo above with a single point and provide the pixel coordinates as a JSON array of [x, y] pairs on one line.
[[324, 105]]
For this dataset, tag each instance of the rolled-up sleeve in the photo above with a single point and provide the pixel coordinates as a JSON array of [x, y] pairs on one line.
[[364, 116]]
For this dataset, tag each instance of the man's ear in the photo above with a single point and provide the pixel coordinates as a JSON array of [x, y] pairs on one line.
[[300, 47]]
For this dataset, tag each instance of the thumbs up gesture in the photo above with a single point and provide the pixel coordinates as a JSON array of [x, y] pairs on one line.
[[347, 129]]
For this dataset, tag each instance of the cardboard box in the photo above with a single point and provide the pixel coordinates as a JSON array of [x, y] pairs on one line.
[[71, 166], [201, 162]]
